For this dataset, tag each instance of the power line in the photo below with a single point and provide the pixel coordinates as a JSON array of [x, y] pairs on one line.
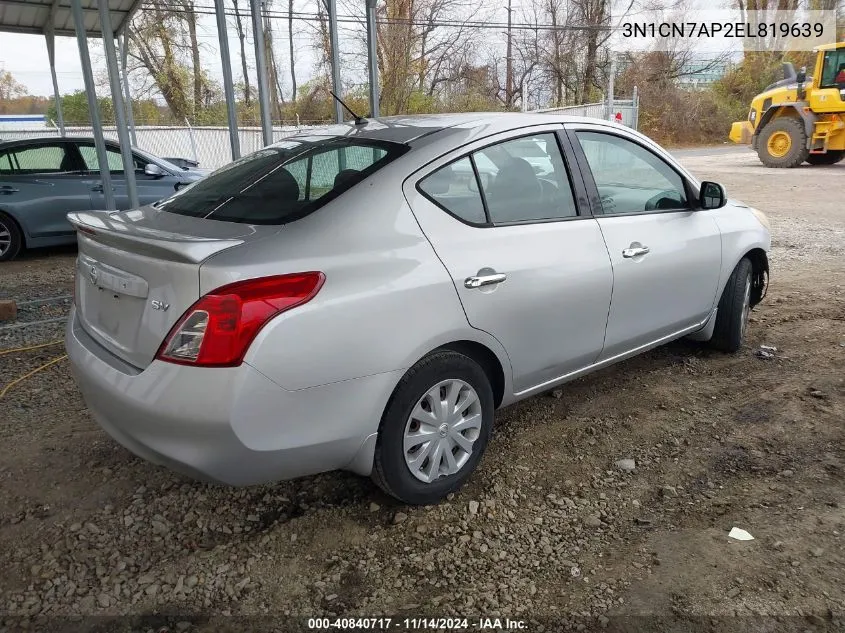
[[351, 19]]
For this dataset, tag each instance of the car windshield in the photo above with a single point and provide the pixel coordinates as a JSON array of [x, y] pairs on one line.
[[283, 182]]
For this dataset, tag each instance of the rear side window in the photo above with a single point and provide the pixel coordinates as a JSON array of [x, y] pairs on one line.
[[40, 159], [455, 189], [516, 181], [283, 182], [525, 180]]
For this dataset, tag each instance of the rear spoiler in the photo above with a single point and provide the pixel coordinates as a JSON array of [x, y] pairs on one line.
[[106, 227]]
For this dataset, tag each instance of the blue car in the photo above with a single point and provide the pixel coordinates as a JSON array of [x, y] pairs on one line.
[[43, 179]]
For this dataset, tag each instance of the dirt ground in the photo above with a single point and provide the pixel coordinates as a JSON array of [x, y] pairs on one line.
[[548, 532]]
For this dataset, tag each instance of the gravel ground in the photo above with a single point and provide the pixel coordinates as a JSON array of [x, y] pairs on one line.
[[610, 498]]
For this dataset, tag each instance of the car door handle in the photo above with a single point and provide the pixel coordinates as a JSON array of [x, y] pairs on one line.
[[6, 189], [484, 280], [635, 250]]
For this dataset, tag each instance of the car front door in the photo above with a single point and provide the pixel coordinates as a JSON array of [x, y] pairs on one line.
[[529, 267], [666, 253], [40, 183], [150, 188]]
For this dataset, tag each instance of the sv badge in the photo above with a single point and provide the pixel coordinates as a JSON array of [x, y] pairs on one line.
[[159, 305]]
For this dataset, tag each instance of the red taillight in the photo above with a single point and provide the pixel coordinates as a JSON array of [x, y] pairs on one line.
[[217, 330]]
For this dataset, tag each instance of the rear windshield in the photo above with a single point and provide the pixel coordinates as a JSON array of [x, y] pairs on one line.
[[283, 182]]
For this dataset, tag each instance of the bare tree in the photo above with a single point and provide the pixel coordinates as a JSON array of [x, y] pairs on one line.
[[154, 42], [188, 16], [274, 83], [292, 56], [239, 27], [10, 88]]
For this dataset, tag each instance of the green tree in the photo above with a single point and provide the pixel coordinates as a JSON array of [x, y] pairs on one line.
[[75, 109]]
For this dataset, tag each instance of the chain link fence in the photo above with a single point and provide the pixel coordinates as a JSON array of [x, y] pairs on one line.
[[627, 108]]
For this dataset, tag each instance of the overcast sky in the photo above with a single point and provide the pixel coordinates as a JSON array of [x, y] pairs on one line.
[[25, 56]]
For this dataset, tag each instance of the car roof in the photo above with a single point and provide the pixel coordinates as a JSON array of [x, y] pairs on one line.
[[35, 140], [411, 129]]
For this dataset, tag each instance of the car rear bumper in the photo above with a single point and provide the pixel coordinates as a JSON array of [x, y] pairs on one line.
[[230, 425]]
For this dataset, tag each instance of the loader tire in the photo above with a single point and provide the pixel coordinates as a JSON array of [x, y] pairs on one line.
[[783, 143], [831, 157]]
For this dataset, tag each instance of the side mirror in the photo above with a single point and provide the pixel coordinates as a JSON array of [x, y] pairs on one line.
[[789, 71], [712, 195], [151, 169], [801, 77]]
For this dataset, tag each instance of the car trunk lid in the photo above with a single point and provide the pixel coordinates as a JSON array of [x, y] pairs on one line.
[[138, 271]]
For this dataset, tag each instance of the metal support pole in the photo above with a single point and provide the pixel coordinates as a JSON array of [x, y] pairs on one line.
[[331, 8], [51, 55], [635, 107], [261, 71], [372, 57], [610, 87], [127, 94], [193, 140], [228, 86], [117, 105], [93, 106]]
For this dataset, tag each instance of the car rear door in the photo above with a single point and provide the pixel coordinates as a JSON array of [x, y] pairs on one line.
[[40, 183], [666, 253], [527, 261], [150, 188]]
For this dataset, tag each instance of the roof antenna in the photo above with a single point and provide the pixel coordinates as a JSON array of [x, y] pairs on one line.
[[359, 120]]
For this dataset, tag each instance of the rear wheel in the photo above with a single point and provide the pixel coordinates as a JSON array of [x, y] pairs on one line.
[[435, 428], [734, 309], [783, 143], [831, 157], [11, 239]]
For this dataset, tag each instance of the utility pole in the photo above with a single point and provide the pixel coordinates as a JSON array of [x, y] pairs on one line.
[[509, 62], [611, 84]]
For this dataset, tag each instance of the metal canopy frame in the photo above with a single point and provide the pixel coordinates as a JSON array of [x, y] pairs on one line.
[[108, 19]]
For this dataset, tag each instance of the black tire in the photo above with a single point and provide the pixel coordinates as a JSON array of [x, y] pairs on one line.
[[798, 151], [390, 470], [9, 230], [831, 157], [732, 315]]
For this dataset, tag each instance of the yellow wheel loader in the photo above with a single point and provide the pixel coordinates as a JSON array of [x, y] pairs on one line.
[[800, 118]]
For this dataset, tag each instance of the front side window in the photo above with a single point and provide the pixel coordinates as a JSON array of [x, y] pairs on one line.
[[40, 159], [833, 69], [630, 178], [282, 182], [113, 156]]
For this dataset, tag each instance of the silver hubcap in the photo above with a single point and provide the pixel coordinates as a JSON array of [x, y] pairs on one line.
[[441, 430], [746, 306], [5, 238]]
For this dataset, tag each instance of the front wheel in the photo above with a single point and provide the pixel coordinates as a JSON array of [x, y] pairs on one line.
[[783, 143], [435, 428], [734, 309]]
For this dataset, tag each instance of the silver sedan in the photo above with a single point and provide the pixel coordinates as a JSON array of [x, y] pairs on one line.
[[365, 296]]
